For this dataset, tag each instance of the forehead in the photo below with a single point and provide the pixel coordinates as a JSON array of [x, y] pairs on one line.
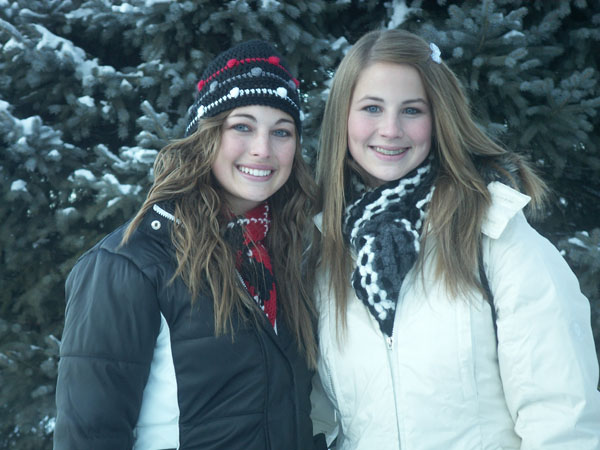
[[380, 78], [261, 113]]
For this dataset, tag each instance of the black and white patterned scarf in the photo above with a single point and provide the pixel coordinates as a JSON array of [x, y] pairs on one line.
[[383, 226]]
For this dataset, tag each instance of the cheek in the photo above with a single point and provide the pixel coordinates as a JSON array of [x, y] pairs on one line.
[[218, 164], [286, 158], [358, 128], [420, 132], [230, 148], [360, 131]]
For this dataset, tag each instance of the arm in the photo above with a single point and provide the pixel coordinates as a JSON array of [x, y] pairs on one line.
[[546, 350], [111, 324]]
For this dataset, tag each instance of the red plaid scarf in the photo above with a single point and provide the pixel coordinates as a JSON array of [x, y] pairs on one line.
[[247, 234]]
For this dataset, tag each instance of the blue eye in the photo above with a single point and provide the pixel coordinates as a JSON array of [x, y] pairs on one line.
[[412, 111], [282, 133], [372, 109], [240, 127]]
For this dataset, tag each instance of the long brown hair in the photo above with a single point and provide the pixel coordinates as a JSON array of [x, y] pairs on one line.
[[461, 197], [182, 176]]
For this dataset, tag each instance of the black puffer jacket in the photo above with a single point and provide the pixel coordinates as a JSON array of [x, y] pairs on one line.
[[141, 368]]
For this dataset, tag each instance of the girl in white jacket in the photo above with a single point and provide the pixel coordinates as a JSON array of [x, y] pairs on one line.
[[446, 320]]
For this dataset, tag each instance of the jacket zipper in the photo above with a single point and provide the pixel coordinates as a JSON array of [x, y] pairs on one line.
[[389, 341], [264, 351], [246, 289], [242, 281], [167, 215], [261, 343]]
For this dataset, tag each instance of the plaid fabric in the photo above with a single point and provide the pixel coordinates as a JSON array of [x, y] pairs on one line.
[[246, 234]]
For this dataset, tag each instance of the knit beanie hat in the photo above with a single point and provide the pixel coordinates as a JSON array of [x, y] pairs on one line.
[[250, 73]]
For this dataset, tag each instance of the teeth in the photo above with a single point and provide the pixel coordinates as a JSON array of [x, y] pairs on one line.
[[385, 151], [255, 172]]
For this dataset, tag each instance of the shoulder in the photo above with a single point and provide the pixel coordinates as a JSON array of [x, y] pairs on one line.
[[524, 267], [507, 229], [149, 244], [116, 283], [146, 259], [511, 240]]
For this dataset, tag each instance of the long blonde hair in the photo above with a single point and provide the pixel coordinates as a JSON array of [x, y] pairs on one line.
[[461, 197], [183, 176]]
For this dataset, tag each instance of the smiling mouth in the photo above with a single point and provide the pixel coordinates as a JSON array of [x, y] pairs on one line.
[[255, 172], [390, 152]]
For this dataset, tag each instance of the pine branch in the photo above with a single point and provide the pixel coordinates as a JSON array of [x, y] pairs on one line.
[[10, 28]]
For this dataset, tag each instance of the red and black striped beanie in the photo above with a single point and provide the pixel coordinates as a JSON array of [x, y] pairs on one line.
[[250, 73]]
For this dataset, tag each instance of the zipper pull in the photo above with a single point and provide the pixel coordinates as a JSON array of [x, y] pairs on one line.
[[390, 341]]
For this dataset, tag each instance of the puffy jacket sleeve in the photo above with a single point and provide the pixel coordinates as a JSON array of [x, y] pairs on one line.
[[323, 413], [111, 324], [546, 349]]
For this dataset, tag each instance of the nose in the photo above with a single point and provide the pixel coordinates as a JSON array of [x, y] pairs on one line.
[[261, 146], [390, 126]]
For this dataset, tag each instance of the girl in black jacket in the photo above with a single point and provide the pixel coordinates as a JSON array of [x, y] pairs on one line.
[[189, 327]]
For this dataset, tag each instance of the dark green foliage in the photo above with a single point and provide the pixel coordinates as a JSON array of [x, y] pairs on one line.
[[583, 253], [91, 90]]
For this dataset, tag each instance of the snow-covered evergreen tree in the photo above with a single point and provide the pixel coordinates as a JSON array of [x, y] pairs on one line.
[[90, 90]]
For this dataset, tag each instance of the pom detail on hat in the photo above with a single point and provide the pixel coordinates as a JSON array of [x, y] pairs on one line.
[[250, 73]]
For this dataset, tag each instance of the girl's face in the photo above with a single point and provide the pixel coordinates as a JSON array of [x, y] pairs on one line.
[[389, 124], [256, 155]]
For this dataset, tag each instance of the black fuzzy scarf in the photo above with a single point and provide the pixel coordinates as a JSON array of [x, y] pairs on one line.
[[383, 227]]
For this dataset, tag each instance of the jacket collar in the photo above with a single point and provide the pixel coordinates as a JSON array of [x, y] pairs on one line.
[[506, 202], [157, 223]]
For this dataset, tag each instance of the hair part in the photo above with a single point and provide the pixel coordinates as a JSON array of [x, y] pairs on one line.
[[460, 147]]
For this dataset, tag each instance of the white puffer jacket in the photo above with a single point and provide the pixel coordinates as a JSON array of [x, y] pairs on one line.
[[443, 383]]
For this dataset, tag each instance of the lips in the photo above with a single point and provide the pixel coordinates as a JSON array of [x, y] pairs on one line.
[[255, 172], [389, 151]]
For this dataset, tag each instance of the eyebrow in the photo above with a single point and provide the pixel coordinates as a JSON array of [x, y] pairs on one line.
[[379, 99], [252, 118]]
